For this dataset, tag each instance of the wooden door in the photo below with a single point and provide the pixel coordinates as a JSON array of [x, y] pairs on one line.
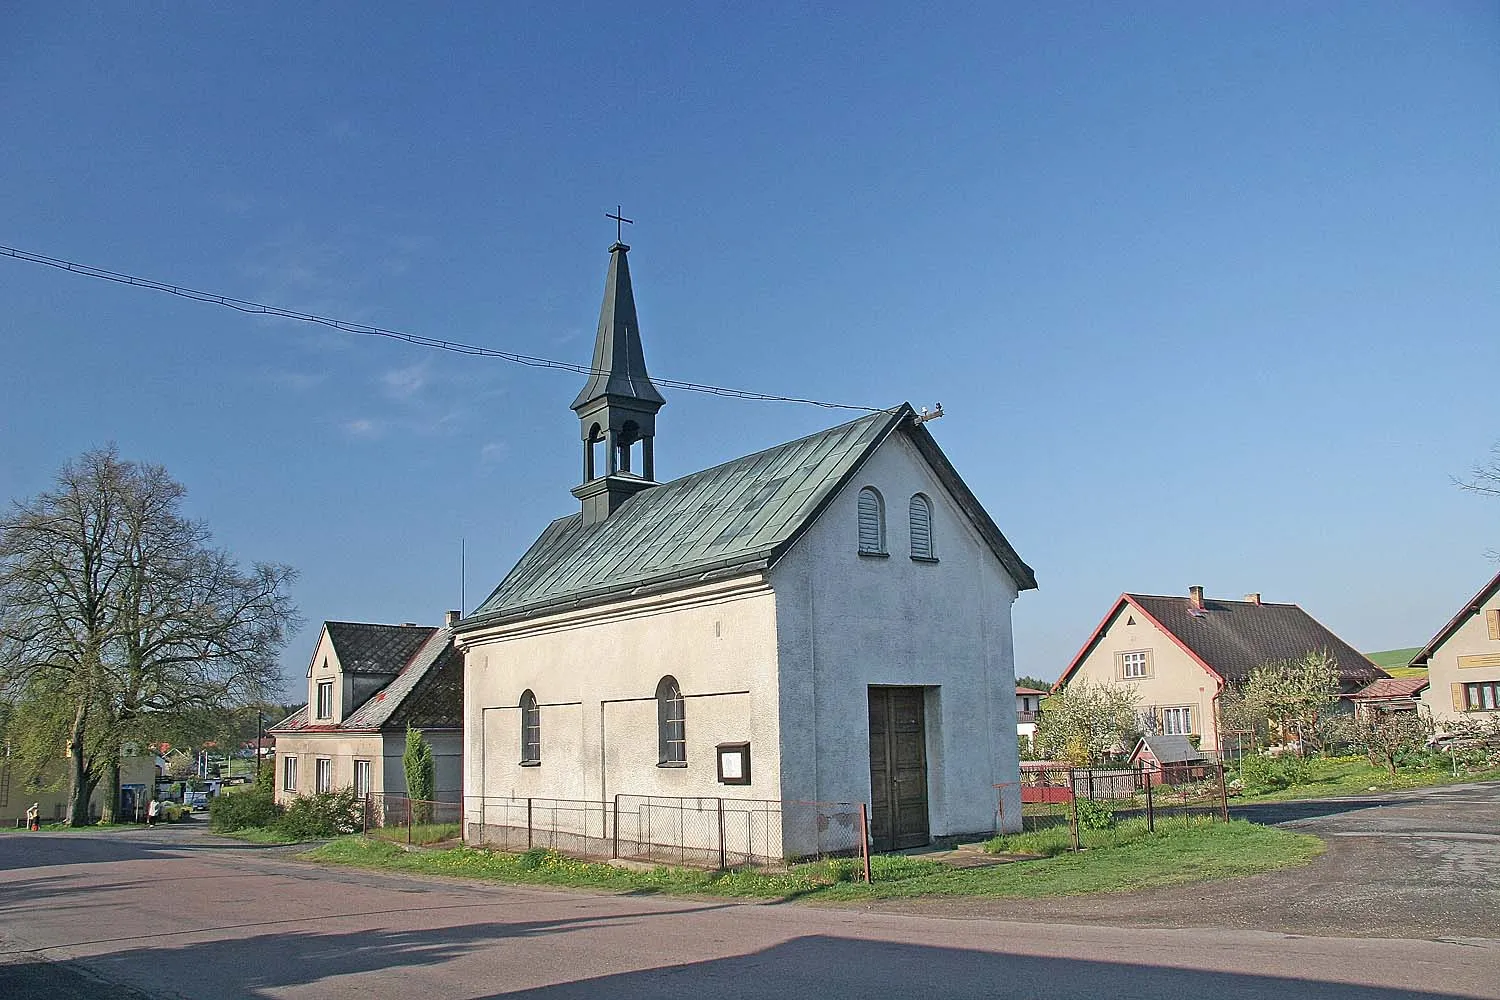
[[898, 768]]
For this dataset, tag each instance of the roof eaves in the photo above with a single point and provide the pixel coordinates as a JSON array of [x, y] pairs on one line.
[[743, 563], [1022, 574], [1473, 607]]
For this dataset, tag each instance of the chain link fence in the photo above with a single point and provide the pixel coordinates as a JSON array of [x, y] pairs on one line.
[[697, 831], [411, 821], [1102, 797]]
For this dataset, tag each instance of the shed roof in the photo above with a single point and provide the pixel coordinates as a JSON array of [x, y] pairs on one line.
[[1391, 687], [1170, 749], [734, 518]]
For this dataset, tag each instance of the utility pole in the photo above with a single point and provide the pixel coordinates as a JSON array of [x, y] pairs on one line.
[[260, 730]]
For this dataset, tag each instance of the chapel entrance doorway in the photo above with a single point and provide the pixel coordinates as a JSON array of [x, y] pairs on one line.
[[898, 768]]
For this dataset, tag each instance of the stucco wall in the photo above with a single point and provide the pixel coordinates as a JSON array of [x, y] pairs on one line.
[[447, 764], [846, 622], [1472, 642], [51, 793], [342, 749], [1176, 678], [325, 667], [594, 675]]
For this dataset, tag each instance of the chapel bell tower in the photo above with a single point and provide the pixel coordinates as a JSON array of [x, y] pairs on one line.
[[617, 407]]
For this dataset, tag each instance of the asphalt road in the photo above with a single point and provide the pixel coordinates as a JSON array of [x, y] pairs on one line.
[[173, 913]]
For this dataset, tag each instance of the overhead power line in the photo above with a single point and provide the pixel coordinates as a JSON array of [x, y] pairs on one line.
[[365, 330]]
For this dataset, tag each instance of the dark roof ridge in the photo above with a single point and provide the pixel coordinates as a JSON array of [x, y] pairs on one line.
[[1221, 600], [1471, 607]]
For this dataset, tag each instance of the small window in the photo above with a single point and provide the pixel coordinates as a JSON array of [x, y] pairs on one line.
[[1135, 664], [871, 523], [289, 774], [921, 528], [361, 778], [1177, 721], [671, 724], [1482, 697], [325, 699], [531, 730], [323, 775]]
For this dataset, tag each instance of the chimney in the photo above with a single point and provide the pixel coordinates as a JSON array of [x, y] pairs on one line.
[[1252, 598], [451, 618], [1195, 598]]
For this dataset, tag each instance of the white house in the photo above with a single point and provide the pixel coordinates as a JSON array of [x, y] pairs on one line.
[[1463, 661], [827, 620], [1028, 708]]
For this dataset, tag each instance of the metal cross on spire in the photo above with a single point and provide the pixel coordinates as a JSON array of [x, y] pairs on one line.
[[620, 222]]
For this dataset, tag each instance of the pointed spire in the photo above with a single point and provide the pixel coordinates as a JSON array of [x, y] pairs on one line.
[[619, 362]]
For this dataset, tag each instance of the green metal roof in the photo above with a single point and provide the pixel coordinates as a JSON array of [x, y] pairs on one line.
[[734, 518]]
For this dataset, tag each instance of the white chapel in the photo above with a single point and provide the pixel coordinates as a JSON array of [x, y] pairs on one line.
[[824, 621]]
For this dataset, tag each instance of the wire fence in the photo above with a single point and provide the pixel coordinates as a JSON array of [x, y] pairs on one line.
[[1100, 798], [413, 821], [696, 831]]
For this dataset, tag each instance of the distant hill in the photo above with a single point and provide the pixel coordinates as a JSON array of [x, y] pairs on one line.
[[1397, 662]]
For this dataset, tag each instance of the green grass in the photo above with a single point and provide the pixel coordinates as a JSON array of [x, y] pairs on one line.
[[260, 835], [1182, 852], [421, 833], [1357, 776]]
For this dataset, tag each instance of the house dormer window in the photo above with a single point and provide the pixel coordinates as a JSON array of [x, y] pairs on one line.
[[325, 699], [921, 529], [871, 522]]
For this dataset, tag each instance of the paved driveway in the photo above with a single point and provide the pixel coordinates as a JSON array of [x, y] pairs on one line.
[[1417, 864], [174, 914]]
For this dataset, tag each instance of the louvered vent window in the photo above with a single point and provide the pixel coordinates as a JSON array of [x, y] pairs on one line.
[[921, 527], [871, 523]]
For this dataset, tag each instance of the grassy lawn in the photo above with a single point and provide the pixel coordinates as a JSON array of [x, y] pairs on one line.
[[1357, 776], [260, 835], [421, 833], [1183, 852]]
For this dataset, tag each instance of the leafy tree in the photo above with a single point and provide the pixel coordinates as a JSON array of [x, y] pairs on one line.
[[1034, 683], [121, 621], [417, 763], [1386, 737], [1292, 695], [1086, 724]]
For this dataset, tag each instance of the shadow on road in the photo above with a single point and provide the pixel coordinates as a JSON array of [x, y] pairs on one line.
[[1288, 812], [828, 967]]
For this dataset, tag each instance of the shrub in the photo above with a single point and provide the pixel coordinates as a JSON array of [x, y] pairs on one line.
[[325, 814], [1094, 815], [1264, 773], [256, 807]]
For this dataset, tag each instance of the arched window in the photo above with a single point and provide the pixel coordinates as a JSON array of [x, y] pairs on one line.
[[671, 735], [531, 730], [871, 523], [921, 527]]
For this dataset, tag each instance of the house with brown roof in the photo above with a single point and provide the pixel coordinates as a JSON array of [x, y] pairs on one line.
[[1028, 707], [1180, 653], [365, 684], [1463, 660]]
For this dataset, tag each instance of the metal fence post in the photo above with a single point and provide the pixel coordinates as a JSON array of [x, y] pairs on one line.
[[864, 838], [615, 848], [722, 857], [408, 822], [1223, 795], [1150, 810], [528, 823], [1073, 806]]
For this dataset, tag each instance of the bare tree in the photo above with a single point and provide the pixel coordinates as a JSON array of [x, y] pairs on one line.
[[116, 611], [1485, 476]]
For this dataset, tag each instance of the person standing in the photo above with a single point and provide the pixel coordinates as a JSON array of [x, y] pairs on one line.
[[152, 808], [34, 816]]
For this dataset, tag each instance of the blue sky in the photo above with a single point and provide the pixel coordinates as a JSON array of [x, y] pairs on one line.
[[1209, 292]]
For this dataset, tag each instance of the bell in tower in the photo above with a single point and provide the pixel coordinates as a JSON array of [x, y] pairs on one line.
[[617, 407]]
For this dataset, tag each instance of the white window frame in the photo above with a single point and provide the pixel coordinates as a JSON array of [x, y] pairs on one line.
[[1140, 658], [1177, 721], [323, 774], [289, 773], [363, 773], [325, 704]]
